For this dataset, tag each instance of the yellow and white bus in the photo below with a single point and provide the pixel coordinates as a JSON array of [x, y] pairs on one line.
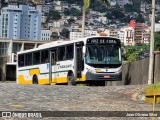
[[85, 59]]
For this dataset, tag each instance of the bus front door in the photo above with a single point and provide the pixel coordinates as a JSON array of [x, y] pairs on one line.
[[52, 67], [79, 59]]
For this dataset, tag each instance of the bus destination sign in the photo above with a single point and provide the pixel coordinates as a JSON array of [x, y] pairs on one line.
[[102, 41]]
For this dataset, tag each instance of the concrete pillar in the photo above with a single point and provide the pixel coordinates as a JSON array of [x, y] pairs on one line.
[[22, 47], [10, 50], [35, 46], [3, 78]]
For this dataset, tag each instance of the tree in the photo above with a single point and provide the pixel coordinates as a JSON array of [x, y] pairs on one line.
[[133, 53], [157, 41], [140, 19], [3, 3], [71, 20], [53, 15], [75, 12], [85, 8], [86, 4], [66, 12], [54, 36], [65, 33]]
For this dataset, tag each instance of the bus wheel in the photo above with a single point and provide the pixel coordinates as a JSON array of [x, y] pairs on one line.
[[35, 79], [71, 80]]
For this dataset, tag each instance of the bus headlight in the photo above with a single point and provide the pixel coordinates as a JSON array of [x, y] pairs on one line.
[[91, 71]]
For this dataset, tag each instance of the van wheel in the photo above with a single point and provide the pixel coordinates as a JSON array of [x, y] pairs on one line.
[[71, 80], [35, 79]]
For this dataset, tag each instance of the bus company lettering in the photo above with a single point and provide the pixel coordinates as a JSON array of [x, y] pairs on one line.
[[63, 66]]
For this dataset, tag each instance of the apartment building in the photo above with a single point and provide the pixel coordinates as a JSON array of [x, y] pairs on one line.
[[111, 32], [20, 22], [128, 36], [139, 31], [120, 35], [46, 35], [87, 33]]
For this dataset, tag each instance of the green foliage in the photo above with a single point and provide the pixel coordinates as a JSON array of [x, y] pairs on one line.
[[153, 86], [129, 54], [75, 12], [66, 12], [133, 53], [115, 14], [54, 35], [3, 4], [53, 15], [72, 12], [65, 33], [125, 19], [71, 20], [140, 19], [86, 4], [129, 8], [157, 41]]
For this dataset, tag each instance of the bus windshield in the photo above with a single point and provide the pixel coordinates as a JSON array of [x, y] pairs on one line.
[[103, 54]]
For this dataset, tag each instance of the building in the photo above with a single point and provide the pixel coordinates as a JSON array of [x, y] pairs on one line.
[[46, 35], [20, 22], [111, 32], [120, 35], [38, 1], [87, 33], [112, 2], [157, 27], [139, 31], [128, 36], [124, 2], [8, 55]]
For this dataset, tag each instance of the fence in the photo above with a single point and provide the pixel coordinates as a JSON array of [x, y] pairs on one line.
[[136, 73]]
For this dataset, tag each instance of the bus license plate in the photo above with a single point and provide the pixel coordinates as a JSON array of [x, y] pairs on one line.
[[106, 76]]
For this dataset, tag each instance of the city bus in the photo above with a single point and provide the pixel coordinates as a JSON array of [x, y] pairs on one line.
[[69, 62]]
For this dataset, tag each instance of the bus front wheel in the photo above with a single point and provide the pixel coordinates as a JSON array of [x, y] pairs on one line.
[[71, 80], [35, 79]]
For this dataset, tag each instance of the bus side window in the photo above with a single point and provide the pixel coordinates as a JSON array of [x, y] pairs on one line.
[[28, 59], [36, 58], [44, 56], [21, 60], [69, 52], [61, 53]]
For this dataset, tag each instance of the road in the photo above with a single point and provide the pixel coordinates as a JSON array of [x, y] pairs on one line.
[[15, 97]]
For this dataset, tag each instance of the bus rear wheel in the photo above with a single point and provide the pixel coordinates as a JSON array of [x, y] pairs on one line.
[[35, 79], [71, 80]]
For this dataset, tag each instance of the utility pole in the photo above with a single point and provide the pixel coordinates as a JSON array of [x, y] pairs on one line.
[[151, 58]]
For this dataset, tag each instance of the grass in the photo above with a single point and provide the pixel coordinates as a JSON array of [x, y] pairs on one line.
[[153, 86]]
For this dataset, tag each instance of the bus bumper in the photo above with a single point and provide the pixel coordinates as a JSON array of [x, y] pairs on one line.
[[104, 76]]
